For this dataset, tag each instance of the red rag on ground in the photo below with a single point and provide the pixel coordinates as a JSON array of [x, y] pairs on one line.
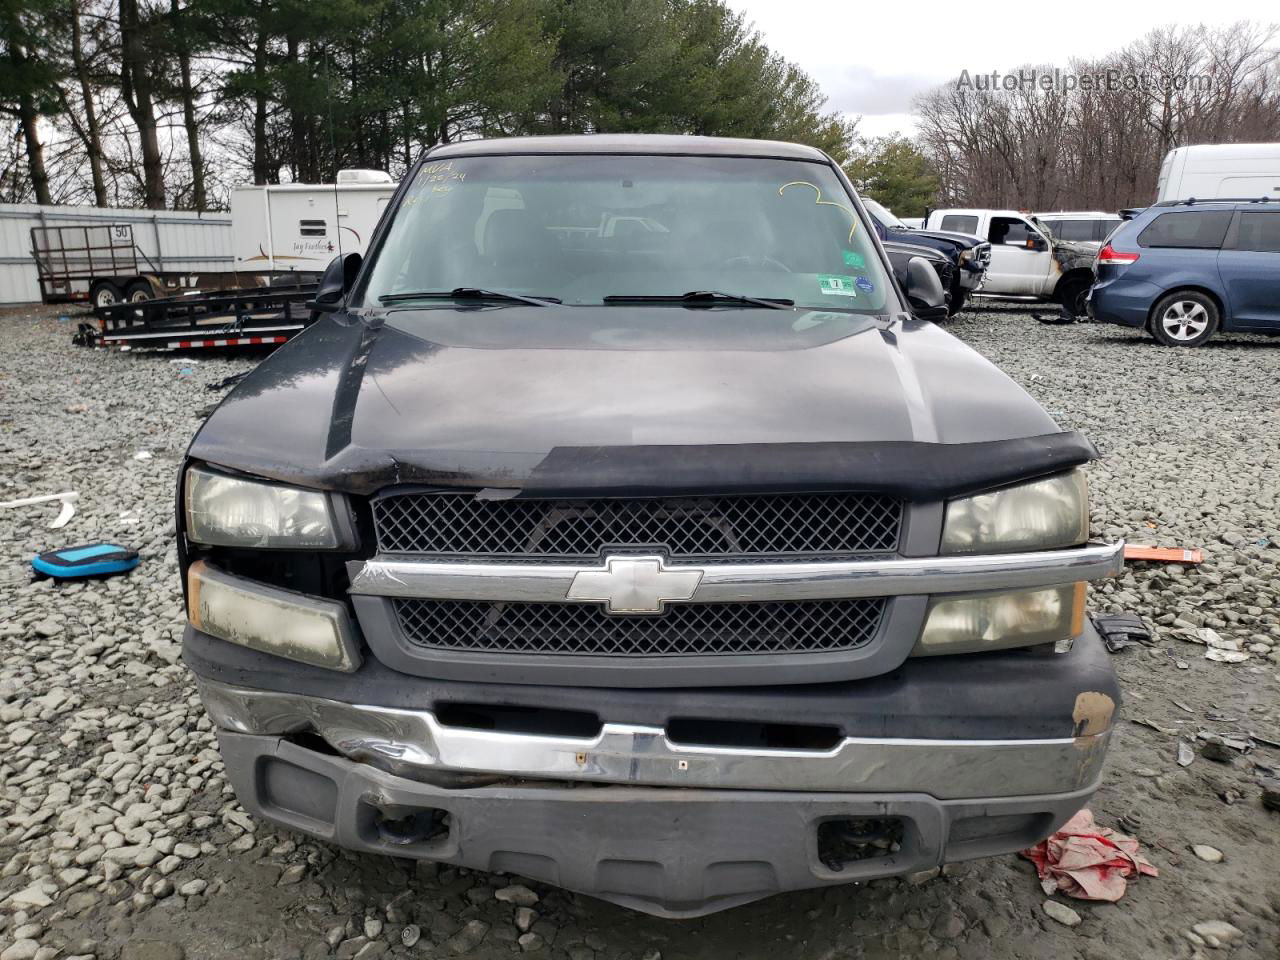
[[1086, 861]]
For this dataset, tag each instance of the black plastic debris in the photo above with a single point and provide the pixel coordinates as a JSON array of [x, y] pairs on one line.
[[1120, 630], [1060, 319]]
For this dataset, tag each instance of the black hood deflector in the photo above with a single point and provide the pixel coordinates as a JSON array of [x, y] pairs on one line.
[[916, 471]]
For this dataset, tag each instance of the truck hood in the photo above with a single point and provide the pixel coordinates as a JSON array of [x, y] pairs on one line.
[[1075, 254], [597, 398], [913, 250], [964, 240], [950, 244]]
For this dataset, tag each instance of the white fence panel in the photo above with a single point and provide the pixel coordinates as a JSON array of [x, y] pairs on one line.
[[171, 240]]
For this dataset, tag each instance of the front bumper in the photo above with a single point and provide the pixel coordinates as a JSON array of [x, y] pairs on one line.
[[671, 853], [975, 755], [414, 744]]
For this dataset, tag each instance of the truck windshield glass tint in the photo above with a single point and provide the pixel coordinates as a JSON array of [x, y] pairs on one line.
[[584, 227], [1009, 230], [960, 224], [883, 215]]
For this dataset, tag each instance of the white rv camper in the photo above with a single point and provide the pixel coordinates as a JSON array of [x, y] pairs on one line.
[[1237, 170], [300, 227]]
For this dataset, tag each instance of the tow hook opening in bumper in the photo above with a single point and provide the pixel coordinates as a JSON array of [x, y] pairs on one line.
[[407, 827], [846, 840]]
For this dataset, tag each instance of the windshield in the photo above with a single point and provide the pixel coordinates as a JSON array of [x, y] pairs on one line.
[[582, 228], [882, 214]]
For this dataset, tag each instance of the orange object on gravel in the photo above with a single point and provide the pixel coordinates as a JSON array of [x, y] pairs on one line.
[[1164, 554]]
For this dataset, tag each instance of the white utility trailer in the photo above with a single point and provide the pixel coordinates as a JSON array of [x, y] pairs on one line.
[[299, 227], [65, 254]]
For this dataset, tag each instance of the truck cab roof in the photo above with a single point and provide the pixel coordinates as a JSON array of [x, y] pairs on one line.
[[1076, 215], [981, 212], [628, 143]]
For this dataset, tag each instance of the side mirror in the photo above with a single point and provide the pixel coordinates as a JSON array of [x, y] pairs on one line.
[[1037, 243], [924, 291], [335, 283]]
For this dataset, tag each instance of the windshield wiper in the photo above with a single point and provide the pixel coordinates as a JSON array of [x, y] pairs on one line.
[[467, 293], [704, 296]]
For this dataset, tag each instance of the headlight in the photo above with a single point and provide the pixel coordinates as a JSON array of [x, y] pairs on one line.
[[230, 512], [288, 624], [965, 256], [1040, 515], [975, 623]]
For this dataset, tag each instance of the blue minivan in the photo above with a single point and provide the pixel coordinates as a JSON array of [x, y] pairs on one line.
[[1185, 270]]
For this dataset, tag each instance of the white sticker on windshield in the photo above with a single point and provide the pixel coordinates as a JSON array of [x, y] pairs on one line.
[[835, 285]]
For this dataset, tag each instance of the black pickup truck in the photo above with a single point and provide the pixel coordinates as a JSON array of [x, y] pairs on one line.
[[969, 256], [618, 526]]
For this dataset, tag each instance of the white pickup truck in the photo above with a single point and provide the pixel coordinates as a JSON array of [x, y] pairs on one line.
[[1027, 262]]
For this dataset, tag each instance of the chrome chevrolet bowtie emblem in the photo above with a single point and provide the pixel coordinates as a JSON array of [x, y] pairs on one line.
[[635, 584]]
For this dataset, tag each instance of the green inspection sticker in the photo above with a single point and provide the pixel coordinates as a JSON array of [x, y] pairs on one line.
[[855, 260], [834, 285]]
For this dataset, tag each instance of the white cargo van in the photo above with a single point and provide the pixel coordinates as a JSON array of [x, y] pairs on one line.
[[1209, 171], [300, 227]]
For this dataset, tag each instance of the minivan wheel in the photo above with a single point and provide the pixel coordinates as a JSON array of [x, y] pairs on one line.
[[1184, 318]]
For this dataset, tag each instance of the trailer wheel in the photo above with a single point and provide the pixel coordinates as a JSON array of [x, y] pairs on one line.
[[104, 293], [138, 291]]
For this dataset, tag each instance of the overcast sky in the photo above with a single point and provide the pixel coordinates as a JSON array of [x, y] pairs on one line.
[[872, 58]]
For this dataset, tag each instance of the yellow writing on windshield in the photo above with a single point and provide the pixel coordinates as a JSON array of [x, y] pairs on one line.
[[817, 199]]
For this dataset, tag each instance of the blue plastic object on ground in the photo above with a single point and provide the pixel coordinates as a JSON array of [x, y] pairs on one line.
[[85, 560]]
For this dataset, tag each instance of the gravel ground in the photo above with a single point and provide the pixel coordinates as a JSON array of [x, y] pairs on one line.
[[119, 835]]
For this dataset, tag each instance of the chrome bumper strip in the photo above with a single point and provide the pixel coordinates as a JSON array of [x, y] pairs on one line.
[[388, 576], [414, 744]]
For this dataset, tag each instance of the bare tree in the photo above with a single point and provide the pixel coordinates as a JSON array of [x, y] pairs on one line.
[[1100, 145]]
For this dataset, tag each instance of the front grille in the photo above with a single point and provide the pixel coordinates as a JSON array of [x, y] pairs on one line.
[[684, 630], [774, 526]]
